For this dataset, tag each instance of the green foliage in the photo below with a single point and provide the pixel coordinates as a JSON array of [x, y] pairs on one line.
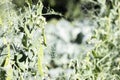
[[103, 61], [21, 42]]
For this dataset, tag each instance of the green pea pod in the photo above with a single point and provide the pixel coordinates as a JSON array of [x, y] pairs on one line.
[[40, 58]]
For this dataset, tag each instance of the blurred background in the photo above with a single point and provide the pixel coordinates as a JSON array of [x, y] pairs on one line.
[[72, 9], [67, 31]]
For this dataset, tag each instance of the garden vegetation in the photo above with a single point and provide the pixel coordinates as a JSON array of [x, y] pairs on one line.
[[22, 40]]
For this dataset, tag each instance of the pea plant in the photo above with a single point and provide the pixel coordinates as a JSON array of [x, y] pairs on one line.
[[22, 41], [103, 61]]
